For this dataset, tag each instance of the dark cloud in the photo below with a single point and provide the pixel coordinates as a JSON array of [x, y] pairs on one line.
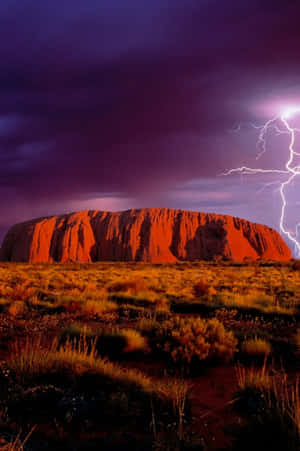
[[129, 101]]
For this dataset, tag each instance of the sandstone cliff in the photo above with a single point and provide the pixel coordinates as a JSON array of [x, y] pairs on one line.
[[150, 235]]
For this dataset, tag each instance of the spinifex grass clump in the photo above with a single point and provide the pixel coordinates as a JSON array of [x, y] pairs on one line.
[[256, 347], [113, 342], [254, 379], [74, 358], [103, 391], [35, 359], [77, 330], [271, 407], [15, 443]]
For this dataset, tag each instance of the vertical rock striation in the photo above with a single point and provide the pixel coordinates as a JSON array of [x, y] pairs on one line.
[[149, 235]]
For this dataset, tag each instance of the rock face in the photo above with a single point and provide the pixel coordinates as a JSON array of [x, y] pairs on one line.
[[149, 235]]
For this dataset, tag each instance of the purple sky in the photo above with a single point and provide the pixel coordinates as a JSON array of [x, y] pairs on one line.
[[119, 104]]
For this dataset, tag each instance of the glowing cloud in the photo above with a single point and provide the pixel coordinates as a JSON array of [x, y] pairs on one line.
[[289, 112]]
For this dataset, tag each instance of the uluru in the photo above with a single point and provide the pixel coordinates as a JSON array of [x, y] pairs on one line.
[[147, 235]]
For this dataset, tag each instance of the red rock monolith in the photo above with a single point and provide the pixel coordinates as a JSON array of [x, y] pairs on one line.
[[149, 235]]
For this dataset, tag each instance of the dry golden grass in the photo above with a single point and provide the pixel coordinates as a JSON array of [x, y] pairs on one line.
[[255, 286], [256, 347], [132, 286], [16, 308], [30, 360], [287, 400], [16, 444], [134, 340], [254, 378], [109, 340], [130, 306], [281, 399], [98, 308]]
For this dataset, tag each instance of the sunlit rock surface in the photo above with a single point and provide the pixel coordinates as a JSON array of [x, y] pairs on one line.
[[149, 235]]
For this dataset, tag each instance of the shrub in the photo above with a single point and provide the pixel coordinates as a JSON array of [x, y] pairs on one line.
[[98, 308], [190, 340], [128, 286], [134, 340], [296, 265], [201, 288], [17, 308]]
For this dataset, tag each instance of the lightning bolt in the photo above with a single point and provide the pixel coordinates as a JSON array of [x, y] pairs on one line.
[[281, 125], [298, 230]]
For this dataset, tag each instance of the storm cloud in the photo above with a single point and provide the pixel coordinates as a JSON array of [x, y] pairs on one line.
[[115, 104]]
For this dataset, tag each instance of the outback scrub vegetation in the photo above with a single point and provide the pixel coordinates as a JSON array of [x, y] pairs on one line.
[[174, 356]]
